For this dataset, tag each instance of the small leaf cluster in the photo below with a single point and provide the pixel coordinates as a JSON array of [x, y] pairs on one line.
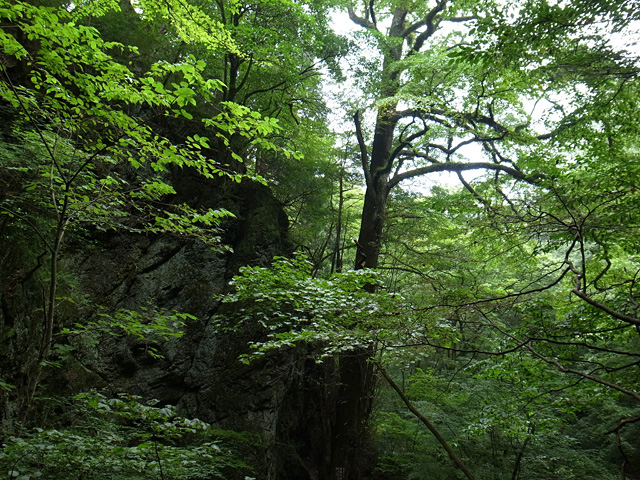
[[149, 325], [292, 307]]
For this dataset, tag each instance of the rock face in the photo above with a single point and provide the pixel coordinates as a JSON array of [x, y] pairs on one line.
[[200, 372]]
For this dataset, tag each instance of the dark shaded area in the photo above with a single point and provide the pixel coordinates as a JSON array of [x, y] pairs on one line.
[[282, 402]]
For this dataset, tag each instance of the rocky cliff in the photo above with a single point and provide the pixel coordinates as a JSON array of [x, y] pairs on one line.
[[198, 372]]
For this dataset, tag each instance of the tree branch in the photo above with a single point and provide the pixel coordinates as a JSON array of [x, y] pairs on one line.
[[372, 13], [452, 454], [452, 118], [623, 423], [604, 308], [363, 22], [472, 190], [461, 167], [430, 23], [245, 77], [460, 19], [503, 297], [406, 142], [588, 376]]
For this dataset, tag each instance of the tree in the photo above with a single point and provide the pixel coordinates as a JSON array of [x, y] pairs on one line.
[[491, 303], [448, 76], [286, 45]]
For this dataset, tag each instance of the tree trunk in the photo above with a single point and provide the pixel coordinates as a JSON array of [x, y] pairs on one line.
[[351, 455]]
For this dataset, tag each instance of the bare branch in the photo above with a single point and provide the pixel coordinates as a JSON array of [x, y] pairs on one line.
[[503, 297], [243, 81], [451, 118], [421, 23], [372, 13], [431, 24], [586, 345], [460, 19], [427, 342], [308, 72], [363, 22], [472, 190], [623, 423], [406, 142]]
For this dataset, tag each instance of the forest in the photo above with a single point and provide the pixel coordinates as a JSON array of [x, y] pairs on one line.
[[320, 240]]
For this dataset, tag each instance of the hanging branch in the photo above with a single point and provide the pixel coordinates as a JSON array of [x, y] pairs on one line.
[[452, 454]]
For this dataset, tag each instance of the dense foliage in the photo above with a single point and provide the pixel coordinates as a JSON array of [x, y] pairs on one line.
[[112, 438], [489, 326]]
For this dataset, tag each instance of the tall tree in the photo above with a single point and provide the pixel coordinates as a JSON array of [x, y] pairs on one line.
[[450, 84]]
